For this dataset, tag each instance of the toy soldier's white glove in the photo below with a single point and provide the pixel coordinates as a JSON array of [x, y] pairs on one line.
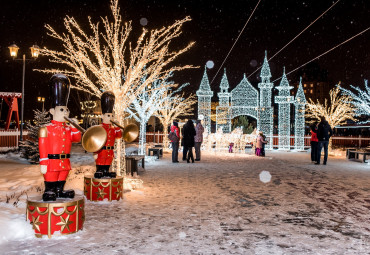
[[44, 169], [95, 156]]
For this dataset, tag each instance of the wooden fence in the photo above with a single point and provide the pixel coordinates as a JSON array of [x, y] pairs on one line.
[[10, 139]]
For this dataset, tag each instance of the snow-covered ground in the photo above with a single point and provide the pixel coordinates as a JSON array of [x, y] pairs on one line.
[[217, 206]]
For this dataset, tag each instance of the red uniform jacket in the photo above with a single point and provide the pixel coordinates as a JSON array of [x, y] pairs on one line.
[[105, 157], [57, 140]]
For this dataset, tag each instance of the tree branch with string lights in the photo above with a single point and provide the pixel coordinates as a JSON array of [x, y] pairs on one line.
[[105, 59], [360, 99], [174, 105], [149, 101], [338, 111]]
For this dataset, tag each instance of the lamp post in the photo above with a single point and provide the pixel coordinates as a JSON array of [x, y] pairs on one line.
[[41, 99], [35, 50]]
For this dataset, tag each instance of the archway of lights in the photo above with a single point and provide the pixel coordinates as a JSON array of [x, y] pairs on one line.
[[244, 99]]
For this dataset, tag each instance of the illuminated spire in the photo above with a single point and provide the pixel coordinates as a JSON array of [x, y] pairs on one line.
[[204, 88], [299, 126], [300, 97], [265, 71], [224, 86]]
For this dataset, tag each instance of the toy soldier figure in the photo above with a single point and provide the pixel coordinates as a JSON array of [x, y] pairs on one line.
[[55, 141], [104, 157]]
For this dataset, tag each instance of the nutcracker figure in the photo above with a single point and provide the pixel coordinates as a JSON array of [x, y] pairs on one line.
[[104, 157], [55, 141]]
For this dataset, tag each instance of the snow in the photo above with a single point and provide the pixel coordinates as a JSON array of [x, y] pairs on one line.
[[220, 205]]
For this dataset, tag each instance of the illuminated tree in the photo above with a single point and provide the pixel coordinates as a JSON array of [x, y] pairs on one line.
[[149, 101], [105, 59], [360, 99], [338, 112], [173, 106]]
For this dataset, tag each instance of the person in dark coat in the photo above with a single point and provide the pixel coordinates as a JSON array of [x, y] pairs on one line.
[[184, 148], [188, 136], [314, 142], [324, 132]]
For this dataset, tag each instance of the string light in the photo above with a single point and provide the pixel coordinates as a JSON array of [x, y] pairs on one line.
[[337, 113], [299, 127], [223, 118], [173, 106], [146, 104], [107, 60], [361, 100], [205, 94], [266, 121], [284, 100]]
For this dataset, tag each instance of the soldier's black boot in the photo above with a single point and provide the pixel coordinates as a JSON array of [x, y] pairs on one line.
[[49, 193], [64, 193], [112, 174], [99, 172]]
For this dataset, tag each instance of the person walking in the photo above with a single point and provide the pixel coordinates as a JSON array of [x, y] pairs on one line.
[[259, 144], [198, 139], [314, 142], [324, 132], [189, 133], [175, 142]]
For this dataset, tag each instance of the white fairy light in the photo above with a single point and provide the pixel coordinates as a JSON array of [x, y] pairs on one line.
[[149, 101], [299, 127], [205, 94], [337, 113], [360, 99], [284, 100], [105, 59], [223, 118], [266, 110]]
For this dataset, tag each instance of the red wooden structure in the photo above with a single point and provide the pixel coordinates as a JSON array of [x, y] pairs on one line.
[[11, 99]]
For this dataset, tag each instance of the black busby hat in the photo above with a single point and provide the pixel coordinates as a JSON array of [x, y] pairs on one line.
[[59, 90], [107, 102]]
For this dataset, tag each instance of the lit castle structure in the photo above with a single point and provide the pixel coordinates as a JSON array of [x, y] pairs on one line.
[[244, 99]]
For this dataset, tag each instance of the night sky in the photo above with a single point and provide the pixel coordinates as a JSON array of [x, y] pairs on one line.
[[214, 27]]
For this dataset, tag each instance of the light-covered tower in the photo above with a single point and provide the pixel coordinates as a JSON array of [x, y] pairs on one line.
[[299, 128], [223, 119], [205, 94], [284, 100], [266, 109]]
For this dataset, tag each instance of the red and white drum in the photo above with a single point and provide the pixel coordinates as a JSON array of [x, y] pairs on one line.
[[109, 189], [60, 217]]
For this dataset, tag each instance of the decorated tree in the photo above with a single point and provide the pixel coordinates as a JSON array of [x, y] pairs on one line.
[[243, 122], [30, 148], [336, 113], [104, 58], [174, 105], [149, 101], [360, 99]]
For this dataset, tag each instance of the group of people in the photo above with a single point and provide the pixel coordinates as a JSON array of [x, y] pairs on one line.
[[191, 137], [320, 135]]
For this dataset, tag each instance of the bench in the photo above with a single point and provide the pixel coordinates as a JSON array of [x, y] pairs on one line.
[[155, 151], [348, 150], [132, 162], [353, 154]]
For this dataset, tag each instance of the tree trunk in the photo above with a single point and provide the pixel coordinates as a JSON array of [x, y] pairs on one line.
[[142, 139], [165, 135]]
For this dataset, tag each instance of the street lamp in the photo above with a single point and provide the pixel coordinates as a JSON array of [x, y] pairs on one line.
[[41, 99], [35, 50]]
